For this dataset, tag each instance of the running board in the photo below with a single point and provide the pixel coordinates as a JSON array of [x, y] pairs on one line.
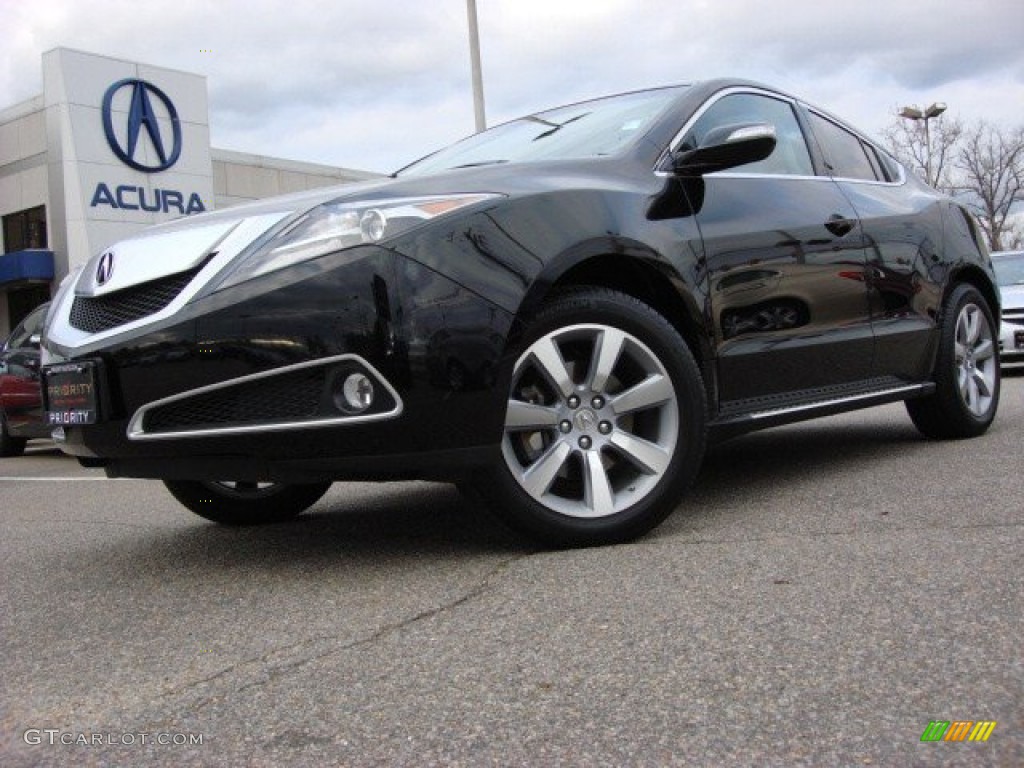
[[736, 420]]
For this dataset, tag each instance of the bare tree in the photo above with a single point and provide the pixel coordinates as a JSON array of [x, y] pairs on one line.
[[990, 162], [927, 147], [981, 165]]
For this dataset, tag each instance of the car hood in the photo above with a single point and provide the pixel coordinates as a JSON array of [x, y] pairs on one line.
[[189, 243]]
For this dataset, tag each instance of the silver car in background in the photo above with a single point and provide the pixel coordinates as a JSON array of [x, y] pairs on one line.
[[1009, 267]]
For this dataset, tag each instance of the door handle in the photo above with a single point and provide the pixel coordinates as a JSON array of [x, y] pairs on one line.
[[839, 226]]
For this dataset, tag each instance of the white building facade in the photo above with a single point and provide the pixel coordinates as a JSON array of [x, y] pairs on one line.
[[111, 147]]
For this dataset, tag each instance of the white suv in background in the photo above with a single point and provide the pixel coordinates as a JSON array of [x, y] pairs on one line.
[[1009, 266]]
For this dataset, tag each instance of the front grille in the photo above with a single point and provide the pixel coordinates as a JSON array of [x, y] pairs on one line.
[[101, 313], [289, 397]]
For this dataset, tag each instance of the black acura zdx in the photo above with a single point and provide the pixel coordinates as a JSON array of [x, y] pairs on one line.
[[558, 313]]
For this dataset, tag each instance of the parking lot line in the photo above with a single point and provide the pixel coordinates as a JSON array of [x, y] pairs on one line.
[[50, 479]]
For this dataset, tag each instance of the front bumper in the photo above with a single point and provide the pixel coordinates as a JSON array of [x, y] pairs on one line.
[[245, 383], [1011, 336]]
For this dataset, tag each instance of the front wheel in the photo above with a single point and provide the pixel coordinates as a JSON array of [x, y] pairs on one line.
[[604, 424], [966, 371], [242, 503]]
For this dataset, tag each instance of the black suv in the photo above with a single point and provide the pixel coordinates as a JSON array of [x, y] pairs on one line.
[[559, 313]]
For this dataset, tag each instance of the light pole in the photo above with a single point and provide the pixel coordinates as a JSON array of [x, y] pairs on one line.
[[474, 57], [913, 113]]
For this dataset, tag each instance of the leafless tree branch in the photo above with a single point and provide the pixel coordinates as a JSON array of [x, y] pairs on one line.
[[981, 164]]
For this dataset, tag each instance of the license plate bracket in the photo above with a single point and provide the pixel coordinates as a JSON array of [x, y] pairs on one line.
[[71, 393]]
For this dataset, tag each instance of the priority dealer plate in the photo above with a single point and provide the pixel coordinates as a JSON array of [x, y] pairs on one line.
[[71, 393]]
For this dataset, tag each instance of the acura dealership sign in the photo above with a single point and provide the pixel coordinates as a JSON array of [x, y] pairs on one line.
[[143, 122], [128, 147]]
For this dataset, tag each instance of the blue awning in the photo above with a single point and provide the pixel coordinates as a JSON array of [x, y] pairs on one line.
[[33, 264]]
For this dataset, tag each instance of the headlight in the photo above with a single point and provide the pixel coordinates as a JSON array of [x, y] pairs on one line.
[[337, 225]]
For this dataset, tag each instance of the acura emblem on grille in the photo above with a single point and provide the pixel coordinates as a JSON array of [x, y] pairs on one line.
[[105, 268]]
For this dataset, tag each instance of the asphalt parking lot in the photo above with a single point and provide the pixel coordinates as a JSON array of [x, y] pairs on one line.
[[826, 592]]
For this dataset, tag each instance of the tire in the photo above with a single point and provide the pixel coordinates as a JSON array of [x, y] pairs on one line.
[[9, 444], [967, 378], [239, 504], [605, 423]]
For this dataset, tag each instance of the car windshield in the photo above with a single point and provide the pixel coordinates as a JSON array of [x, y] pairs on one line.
[[1010, 269], [589, 129]]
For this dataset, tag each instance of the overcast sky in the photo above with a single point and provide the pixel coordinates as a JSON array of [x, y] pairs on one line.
[[374, 84]]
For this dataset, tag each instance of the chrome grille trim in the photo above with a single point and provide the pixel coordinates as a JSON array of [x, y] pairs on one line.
[[136, 425]]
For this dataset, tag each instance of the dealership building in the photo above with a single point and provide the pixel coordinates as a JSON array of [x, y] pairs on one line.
[[109, 148]]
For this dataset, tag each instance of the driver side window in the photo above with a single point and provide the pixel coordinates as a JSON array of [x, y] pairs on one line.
[[790, 156]]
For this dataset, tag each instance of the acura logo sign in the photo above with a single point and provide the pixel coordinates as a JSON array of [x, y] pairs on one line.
[[142, 117], [105, 268]]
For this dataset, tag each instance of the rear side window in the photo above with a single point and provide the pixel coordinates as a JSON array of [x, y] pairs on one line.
[[845, 154], [890, 166], [790, 155]]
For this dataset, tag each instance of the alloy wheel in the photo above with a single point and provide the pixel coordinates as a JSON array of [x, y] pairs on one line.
[[975, 360], [592, 421]]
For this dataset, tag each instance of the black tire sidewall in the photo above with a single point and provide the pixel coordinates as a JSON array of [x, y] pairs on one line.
[[944, 414], [947, 378]]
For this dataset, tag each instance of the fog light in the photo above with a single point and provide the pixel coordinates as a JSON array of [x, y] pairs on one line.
[[358, 392]]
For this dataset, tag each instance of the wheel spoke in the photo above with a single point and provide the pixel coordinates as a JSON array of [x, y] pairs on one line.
[[525, 416], [598, 491], [652, 391], [607, 348], [650, 458], [549, 360], [538, 478], [984, 350], [972, 394], [973, 324], [981, 383]]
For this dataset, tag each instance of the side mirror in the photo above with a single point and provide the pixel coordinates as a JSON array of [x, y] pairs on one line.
[[726, 147], [35, 340]]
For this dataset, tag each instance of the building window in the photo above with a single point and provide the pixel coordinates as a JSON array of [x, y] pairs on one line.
[[25, 229]]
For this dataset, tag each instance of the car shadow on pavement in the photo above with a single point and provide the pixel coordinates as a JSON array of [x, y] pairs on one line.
[[741, 476], [358, 522]]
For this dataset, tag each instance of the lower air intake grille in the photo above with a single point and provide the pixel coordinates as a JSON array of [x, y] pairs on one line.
[[289, 397], [101, 313]]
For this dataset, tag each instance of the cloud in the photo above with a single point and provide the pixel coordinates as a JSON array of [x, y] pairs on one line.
[[376, 84]]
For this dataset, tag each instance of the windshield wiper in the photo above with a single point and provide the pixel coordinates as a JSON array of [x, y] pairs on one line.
[[555, 127], [477, 164]]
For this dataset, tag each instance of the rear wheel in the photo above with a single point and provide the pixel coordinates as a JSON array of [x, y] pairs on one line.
[[604, 424], [966, 375], [244, 503], [9, 444]]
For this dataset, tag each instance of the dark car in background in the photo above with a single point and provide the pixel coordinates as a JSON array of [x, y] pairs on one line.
[[558, 314], [21, 402], [1009, 266]]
